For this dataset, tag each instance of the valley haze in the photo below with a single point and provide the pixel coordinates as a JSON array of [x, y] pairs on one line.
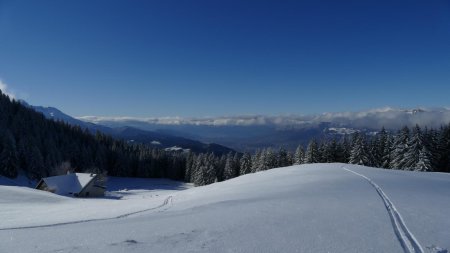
[[388, 117], [249, 133]]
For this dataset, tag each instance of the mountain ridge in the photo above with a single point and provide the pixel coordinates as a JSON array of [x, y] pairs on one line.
[[132, 134], [249, 133]]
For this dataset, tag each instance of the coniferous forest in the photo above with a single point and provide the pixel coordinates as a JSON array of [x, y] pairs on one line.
[[39, 147]]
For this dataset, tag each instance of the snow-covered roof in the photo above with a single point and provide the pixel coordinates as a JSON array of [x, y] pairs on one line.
[[68, 184]]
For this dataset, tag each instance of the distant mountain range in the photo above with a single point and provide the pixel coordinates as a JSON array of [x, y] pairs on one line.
[[248, 133], [132, 134], [252, 132]]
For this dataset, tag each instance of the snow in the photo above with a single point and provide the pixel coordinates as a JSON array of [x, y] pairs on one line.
[[342, 130], [176, 148], [68, 184], [155, 143], [21, 180], [25, 207], [306, 208]]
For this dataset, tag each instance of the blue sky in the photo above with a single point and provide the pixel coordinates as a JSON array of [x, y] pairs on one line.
[[211, 58]]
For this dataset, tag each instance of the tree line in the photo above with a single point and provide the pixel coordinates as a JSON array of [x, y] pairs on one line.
[[40, 147], [408, 149]]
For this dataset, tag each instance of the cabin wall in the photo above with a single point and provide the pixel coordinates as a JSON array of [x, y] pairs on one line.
[[92, 190], [43, 187]]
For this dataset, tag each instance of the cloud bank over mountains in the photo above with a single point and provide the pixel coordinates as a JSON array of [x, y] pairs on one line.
[[388, 117]]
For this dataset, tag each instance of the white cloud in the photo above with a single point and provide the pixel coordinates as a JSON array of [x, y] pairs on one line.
[[5, 90]]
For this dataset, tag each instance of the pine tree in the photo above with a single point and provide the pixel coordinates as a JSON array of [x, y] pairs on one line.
[[386, 152], [417, 156], [332, 152], [189, 165], [256, 161], [231, 170], [211, 172], [444, 149], [346, 149], [236, 164], [269, 159], [432, 143], [205, 172], [245, 164], [283, 159], [424, 163], [312, 153], [8, 155], [299, 155], [323, 155], [358, 153], [378, 148], [400, 146]]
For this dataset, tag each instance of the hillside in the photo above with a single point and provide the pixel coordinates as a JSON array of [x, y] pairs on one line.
[[166, 141], [307, 208], [37, 147], [134, 135]]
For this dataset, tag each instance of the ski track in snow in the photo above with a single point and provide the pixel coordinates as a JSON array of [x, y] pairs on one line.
[[167, 201], [407, 240]]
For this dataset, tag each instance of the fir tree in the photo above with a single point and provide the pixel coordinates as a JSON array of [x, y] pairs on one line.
[[283, 158], [8, 155], [358, 153], [312, 153], [231, 167], [417, 156], [299, 155], [256, 161], [245, 164], [400, 146]]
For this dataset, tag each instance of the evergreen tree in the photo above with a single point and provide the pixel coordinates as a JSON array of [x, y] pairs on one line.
[[417, 156], [237, 164], [269, 159], [8, 155], [245, 164], [231, 168], [358, 153], [189, 165], [400, 146], [299, 155], [283, 159], [332, 152], [256, 161], [432, 143], [386, 152], [444, 149], [346, 149], [312, 153], [204, 173]]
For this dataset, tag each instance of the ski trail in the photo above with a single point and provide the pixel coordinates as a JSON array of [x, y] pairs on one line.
[[166, 202], [409, 243]]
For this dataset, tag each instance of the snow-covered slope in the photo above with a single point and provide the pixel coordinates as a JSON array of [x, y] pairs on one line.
[[21, 180], [308, 208]]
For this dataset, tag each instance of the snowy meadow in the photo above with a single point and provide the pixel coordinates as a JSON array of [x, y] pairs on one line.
[[305, 208]]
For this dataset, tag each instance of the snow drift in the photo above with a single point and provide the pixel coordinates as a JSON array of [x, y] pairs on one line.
[[307, 208]]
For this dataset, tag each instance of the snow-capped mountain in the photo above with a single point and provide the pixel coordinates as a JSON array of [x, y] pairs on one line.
[[55, 114]]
